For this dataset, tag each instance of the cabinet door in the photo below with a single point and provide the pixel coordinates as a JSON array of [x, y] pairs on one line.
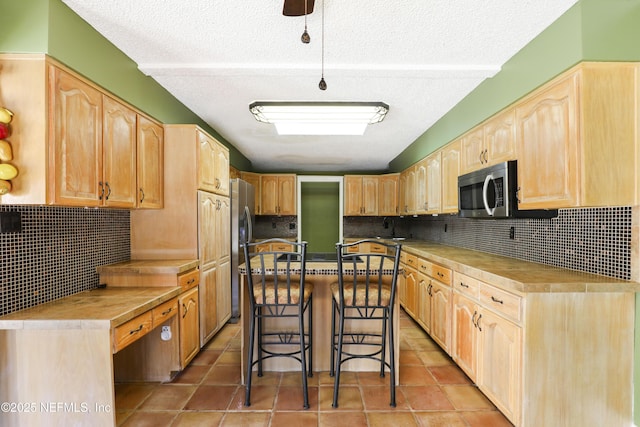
[[402, 287], [472, 151], [424, 304], [464, 346], [500, 363], [150, 164], [441, 314], [410, 192], [402, 189], [388, 195], [411, 284], [547, 146], [370, 195], [75, 167], [500, 137], [421, 177], [222, 170], [223, 292], [119, 154], [269, 194], [287, 195], [253, 179], [222, 229], [207, 154], [450, 172], [353, 195], [208, 299], [434, 183], [207, 222], [189, 326]]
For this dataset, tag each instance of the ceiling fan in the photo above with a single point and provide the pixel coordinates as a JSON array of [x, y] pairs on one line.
[[297, 7]]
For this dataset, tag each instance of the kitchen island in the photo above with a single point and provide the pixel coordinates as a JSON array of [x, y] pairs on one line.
[[321, 274], [57, 359]]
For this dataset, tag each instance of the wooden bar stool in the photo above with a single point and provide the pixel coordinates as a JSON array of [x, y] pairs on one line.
[[277, 289], [365, 293]]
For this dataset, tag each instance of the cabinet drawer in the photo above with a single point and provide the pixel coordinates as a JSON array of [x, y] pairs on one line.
[[165, 311], [501, 301], [377, 249], [188, 280], [441, 274], [411, 261], [132, 330], [281, 247], [466, 285], [403, 257], [424, 266]]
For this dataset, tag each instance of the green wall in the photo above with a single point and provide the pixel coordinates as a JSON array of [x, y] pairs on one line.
[[604, 30], [320, 215], [49, 26]]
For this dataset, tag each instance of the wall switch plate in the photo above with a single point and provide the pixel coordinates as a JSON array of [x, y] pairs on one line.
[[10, 222]]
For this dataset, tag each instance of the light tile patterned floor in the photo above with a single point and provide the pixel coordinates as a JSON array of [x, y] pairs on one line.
[[433, 392]]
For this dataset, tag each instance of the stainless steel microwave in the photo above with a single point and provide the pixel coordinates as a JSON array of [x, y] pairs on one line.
[[492, 193], [488, 192]]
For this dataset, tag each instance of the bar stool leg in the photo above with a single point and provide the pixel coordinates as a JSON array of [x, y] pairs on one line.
[[392, 359], [252, 327], [336, 382], [310, 369], [332, 367], [303, 361]]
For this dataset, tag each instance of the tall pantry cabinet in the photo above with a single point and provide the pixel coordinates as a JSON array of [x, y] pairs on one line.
[[196, 219]]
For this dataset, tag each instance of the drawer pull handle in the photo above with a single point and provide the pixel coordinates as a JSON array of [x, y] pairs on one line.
[[190, 281], [440, 274], [478, 323], [463, 285], [135, 331], [494, 299], [164, 313], [473, 318]]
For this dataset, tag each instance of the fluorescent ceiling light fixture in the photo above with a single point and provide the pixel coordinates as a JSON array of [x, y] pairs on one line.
[[319, 118]]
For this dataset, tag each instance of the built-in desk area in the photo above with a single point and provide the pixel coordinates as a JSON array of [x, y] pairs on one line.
[[57, 359], [321, 274]]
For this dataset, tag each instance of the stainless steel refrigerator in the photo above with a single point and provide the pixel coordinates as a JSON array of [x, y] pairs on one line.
[[242, 220]]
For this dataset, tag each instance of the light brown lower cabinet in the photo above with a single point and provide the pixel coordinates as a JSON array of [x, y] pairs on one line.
[[542, 358], [189, 330]]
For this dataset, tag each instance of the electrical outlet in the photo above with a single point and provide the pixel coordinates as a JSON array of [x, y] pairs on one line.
[[512, 233], [10, 222]]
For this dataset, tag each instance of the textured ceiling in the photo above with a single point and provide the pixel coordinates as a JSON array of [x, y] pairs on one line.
[[420, 57]]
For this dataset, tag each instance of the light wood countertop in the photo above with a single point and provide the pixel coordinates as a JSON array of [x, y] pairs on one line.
[[152, 266], [513, 274], [95, 309]]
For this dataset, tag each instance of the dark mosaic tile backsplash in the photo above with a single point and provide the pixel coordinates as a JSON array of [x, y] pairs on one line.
[[58, 249], [594, 240], [57, 252]]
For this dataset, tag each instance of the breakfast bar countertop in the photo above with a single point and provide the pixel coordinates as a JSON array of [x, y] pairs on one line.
[[103, 308]]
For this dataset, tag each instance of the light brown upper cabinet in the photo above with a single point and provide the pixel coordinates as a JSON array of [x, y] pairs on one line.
[[577, 139], [278, 194], [450, 172], [420, 195], [434, 182], [491, 143], [82, 146], [213, 165], [150, 170], [253, 179], [361, 195], [388, 194], [408, 191], [76, 162], [119, 154]]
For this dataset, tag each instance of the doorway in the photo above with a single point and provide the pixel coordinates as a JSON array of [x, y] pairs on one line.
[[320, 212]]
